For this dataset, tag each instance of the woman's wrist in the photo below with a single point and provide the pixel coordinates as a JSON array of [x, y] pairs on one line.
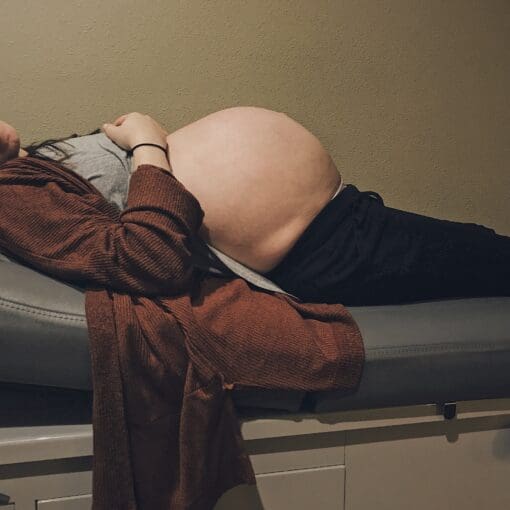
[[149, 155]]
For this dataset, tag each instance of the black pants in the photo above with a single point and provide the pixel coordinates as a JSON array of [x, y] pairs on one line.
[[358, 251]]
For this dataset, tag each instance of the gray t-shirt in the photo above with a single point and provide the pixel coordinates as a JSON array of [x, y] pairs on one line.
[[103, 163], [108, 168]]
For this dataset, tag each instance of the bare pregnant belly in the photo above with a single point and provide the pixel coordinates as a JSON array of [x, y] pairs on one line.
[[260, 178]]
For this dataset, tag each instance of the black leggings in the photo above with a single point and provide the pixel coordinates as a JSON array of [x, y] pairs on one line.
[[357, 251]]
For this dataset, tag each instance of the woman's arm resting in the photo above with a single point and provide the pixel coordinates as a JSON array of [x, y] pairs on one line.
[[247, 336], [143, 250]]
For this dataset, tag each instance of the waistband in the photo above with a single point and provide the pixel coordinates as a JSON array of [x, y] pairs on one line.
[[328, 221], [339, 188], [332, 213]]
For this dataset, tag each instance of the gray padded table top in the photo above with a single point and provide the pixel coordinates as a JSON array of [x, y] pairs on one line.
[[430, 352], [424, 352]]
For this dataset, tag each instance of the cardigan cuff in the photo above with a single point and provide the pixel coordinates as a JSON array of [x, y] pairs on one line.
[[153, 186]]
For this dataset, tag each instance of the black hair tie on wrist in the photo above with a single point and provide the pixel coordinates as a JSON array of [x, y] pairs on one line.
[[130, 152]]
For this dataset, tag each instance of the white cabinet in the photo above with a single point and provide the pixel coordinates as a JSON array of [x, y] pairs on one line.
[[300, 489], [444, 466], [293, 472]]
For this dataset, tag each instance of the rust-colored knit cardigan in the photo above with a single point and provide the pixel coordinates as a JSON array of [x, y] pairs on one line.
[[168, 343]]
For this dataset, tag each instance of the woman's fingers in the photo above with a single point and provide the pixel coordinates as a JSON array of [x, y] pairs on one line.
[[132, 128], [120, 120]]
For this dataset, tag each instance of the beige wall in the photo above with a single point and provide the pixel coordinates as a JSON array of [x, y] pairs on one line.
[[409, 96]]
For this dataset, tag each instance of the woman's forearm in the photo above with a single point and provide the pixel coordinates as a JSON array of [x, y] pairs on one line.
[[148, 155]]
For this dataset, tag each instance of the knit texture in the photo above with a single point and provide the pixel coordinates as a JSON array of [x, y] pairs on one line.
[[168, 343]]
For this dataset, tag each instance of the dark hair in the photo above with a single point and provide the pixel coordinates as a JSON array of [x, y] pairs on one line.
[[33, 149]]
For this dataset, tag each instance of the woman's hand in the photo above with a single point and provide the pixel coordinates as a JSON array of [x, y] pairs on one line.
[[9, 142], [134, 128]]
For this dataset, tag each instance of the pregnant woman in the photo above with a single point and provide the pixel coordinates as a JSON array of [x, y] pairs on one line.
[[275, 202]]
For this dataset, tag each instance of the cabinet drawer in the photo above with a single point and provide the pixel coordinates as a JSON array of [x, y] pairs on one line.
[[72, 503], [299, 489]]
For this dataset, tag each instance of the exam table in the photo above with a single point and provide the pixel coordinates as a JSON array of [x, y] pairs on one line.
[[428, 427]]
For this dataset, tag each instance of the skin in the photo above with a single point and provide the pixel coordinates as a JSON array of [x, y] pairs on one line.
[[9, 143], [260, 178]]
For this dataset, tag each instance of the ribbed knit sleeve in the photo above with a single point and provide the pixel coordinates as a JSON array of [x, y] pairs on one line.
[[145, 249], [260, 339]]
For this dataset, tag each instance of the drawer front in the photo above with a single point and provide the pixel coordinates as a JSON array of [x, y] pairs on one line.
[[83, 502], [297, 452], [300, 489], [442, 466]]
